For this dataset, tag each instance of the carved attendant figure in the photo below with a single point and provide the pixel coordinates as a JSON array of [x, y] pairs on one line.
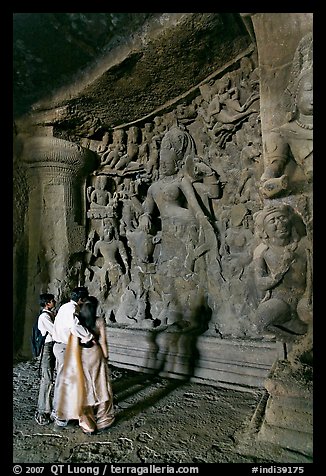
[[115, 150], [280, 264], [113, 251], [100, 197], [102, 202], [225, 112]]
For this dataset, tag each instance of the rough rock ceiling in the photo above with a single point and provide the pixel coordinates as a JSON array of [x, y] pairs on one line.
[[88, 72], [50, 48]]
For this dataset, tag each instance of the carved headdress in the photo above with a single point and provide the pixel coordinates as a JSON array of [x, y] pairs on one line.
[[302, 66], [298, 228], [180, 141], [261, 215]]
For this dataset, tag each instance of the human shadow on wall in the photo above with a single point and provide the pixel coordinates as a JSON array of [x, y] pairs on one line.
[[173, 349], [172, 360]]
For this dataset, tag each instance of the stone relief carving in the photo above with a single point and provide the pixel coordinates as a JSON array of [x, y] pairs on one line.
[[182, 203], [178, 207], [280, 263], [103, 203], [134, 300], [184, 226], [224, 112], [115, 260], [293, 139], [237, 243], [113, 152], [170, 223], [287, 178], [131, 152]]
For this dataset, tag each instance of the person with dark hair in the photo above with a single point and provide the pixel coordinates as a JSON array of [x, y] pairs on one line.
[[45, 325], [86, 392], [67, 323]]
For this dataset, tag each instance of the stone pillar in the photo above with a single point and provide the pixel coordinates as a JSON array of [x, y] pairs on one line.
[[56, 172], [287, 418]]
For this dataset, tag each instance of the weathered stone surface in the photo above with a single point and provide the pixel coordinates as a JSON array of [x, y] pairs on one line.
[[222, 363], [288, 416], [288, 438], [125, 73], [184, 144]]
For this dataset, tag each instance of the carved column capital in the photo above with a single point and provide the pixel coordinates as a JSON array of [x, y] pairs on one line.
[[56, 158]]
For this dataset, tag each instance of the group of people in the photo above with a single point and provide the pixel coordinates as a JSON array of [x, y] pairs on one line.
[[76, 350]]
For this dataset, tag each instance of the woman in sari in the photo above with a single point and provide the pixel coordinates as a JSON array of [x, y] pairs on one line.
[[86, 393]]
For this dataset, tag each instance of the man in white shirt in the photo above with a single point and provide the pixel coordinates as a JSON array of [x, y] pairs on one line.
[[67, 322], [45, 325]]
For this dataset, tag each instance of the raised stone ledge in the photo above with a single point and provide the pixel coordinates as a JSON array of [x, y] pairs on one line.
[[228, 363]]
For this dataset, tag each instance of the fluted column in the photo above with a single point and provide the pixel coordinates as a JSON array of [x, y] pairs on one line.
[[56, 172]]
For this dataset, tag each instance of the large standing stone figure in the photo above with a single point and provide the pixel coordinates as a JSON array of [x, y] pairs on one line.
[[186, 233], [179, 210], [293, 139]]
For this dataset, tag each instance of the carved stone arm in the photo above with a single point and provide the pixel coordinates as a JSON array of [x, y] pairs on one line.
[[187, 189], [123, 255]]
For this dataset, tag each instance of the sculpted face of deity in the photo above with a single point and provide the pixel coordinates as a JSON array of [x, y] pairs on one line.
[[168, 159], [305, 95]]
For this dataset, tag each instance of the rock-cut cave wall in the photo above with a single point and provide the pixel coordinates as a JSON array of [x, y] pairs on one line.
[[191, 220]]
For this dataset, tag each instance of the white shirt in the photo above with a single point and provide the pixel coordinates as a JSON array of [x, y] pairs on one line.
[[66, 322], [45, 324]]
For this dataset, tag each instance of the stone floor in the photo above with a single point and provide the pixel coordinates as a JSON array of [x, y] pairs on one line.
[[157, 421]]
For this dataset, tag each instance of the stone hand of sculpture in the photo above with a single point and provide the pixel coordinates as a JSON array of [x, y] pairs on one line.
[[146, 221], [274, 186], [201, 169], [201, 217], [277, 278], [157, 238]]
